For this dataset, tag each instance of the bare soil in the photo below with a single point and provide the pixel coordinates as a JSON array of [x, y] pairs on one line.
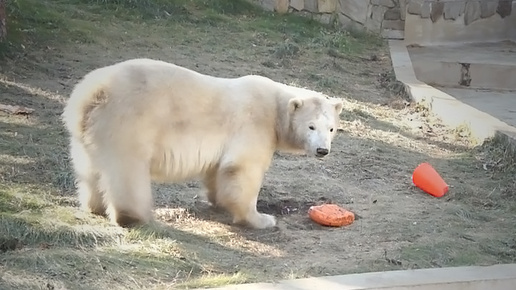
[[382, 139]]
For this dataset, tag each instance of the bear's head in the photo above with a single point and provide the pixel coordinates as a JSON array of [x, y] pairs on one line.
[[314, 122]]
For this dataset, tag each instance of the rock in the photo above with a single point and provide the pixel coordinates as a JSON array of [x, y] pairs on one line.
[[311, 5], [393, 24], [377, 13], [437, 11], [452, 10], [392, 14], [267, 4], [348, 23], [326, 18], [403, 9], [426, 9], [327, 6], [504, 8], [354, 9], [386, 3], [281, 6], [414, 7], [375, 17], [472, 12], [297, 4], [487, 9]]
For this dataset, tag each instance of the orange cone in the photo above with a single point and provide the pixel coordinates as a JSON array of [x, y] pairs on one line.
[[426, 178]]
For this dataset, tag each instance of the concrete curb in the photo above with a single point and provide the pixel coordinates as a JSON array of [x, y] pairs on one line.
[[496, 277], [453, 112]]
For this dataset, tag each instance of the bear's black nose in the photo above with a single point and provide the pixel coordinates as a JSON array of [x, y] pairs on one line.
[[322, 151]]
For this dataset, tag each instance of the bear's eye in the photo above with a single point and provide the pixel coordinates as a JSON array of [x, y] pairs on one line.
[[311, 127], [331, 130]]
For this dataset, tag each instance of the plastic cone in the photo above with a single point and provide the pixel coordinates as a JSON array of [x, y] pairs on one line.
[[426, 178]]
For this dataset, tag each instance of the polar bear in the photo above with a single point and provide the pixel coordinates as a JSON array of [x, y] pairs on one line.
[[142, 120]]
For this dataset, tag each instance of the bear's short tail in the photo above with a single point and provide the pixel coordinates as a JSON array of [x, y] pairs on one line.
[[86, 95]]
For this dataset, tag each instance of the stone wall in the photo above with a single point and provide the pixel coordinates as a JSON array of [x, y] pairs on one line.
[[372, 15], [427, 20], [471, 10], [435, 21]]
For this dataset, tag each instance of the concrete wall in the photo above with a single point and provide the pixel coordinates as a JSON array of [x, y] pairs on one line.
[[371, 15], [432, 21]]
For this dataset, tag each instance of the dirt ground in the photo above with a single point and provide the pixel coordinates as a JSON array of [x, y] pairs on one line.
[[381, 140]]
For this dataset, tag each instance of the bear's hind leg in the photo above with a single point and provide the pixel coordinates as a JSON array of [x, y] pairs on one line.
[[128, 193], [210, 183], [237, 191], [89, 195]]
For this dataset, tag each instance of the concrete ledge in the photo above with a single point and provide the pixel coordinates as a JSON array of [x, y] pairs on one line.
[[452, 111], [496, 277]]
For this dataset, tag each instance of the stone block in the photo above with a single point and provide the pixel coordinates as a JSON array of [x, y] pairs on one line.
[[371, 25], [348, 23], [386, 3], [437, 11], [267, 4], [472, 12], [426, 10], [311, 5], [504, 8], [327, 6], [414, 7], [403, 9], [392, 14], [281, 6], [487, 9], [325, 18], [298, 5], [393, 24], [452, 10], [377, 13], [354, 9], [375, 16]]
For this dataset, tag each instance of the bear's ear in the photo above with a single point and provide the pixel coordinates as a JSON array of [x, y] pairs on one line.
[[294, 104], [339, 105]]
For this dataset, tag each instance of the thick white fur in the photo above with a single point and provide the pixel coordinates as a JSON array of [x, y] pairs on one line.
[[144, 120]]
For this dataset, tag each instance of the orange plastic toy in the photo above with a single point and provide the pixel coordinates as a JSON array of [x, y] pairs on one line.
[[331, 215], [426, 178]]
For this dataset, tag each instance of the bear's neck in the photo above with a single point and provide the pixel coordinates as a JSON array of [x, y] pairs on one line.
[[286, 141]]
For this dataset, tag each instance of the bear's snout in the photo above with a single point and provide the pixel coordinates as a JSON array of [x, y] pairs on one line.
[[322, 152]]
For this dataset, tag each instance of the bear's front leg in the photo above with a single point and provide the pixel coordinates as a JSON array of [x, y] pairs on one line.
[[237, 191]]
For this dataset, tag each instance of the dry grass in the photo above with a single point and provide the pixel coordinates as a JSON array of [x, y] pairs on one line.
[[46, 243]]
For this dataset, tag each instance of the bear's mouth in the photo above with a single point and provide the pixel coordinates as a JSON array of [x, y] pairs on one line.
[[320, 156]]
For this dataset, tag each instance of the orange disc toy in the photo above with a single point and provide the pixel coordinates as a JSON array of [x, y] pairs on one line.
[[331, 215]]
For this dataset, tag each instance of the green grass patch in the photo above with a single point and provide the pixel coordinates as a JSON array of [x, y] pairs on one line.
[[38, 23]]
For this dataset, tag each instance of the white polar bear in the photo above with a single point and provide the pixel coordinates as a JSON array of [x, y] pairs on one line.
[[145, 120]]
